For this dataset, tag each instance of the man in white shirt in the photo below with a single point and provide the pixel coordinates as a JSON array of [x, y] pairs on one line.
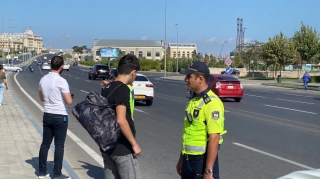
[[54, 92]]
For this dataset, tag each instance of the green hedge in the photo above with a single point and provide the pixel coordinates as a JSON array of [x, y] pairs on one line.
[[315, 79]]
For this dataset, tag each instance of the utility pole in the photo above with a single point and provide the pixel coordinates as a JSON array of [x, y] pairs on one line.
[[177, 50], [165, 41], [1, 22]]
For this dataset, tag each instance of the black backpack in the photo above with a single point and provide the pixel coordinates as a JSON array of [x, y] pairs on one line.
[[98, 117]]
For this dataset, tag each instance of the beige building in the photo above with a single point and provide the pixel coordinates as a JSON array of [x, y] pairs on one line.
[[151, 49], [184, 50], [28, 41]]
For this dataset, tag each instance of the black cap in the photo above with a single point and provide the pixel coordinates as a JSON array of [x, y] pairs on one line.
[[196, 66]]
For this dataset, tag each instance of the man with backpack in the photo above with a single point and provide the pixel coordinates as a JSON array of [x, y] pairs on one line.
[[121, 161]]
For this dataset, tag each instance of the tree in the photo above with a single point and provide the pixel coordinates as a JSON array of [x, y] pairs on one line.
[[279, 51], [79, 49], [307, 42], [237, 60]]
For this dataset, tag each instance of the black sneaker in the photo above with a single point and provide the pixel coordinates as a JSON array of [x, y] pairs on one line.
[[62, 177], [44, 175]]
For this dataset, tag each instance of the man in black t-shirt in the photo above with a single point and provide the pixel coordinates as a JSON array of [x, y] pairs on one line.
[[121, 162]]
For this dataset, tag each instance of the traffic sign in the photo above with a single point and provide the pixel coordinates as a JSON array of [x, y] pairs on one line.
[[228, 61], [8, 57], [229, 70], [6, 49]]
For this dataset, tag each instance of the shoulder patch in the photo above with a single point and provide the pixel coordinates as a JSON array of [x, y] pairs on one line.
[[206, 99], [215, 115]]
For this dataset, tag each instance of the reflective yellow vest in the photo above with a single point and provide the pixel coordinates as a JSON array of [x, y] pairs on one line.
[[195, 134], [131, 100]]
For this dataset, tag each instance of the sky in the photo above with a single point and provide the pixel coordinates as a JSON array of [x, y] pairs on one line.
[[207, 23]]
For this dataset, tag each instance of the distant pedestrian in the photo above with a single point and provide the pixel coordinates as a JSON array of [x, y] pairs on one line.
[[306, 79], [3, 82], [54, 92], [121, 162]]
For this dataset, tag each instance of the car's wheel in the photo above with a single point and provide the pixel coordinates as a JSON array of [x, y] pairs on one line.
[[68, 70], [237, 99], [149, 103]]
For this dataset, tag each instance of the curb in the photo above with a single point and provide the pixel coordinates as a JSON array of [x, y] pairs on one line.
[[292, 87]]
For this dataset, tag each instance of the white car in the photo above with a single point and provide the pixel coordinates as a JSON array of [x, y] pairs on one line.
[[8, 67], [143, 89], [66, 67], [303, 174], [46, 66]]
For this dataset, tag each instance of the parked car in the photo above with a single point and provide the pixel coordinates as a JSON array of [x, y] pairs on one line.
[[143, 89], [234, 72], [9, 67], [99, 71]]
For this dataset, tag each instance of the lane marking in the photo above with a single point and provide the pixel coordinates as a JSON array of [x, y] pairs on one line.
[[77, 78], [273, 156], [173, 85], [77, 140], [84, 91], [262, 91], [226, 111], [297, 110], [140, 111], [293, 101], [298, 95], [88, 81], [255, 96]]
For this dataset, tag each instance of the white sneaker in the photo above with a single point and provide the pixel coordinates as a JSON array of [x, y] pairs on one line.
[[44, 176]]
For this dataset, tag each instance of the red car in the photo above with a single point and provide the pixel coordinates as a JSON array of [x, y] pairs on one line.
[[226, 86]]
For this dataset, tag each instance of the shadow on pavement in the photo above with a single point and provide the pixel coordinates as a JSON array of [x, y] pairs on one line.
[[94, 172], [35, 164]]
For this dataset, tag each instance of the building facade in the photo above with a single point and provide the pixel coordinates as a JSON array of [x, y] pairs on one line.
[[183, 50], [22, 42], [150, 49]]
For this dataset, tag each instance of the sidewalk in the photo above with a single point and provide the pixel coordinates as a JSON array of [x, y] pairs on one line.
[[20, 141]]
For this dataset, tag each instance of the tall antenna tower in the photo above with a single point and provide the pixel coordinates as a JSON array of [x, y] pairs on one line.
[[240, 35]]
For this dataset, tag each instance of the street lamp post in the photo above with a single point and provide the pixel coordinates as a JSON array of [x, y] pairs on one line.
[[177, 50], [222, 48], [165, 41], [8, 34], [1, 22]]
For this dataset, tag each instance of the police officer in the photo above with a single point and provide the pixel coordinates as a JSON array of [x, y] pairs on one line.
[[203, 127]]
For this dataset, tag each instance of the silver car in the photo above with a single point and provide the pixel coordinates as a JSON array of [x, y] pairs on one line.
[[11, 68]]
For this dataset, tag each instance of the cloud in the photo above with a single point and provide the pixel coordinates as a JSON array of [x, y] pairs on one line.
[[68, 36], [230, 39], [247, 40], [144, 38], [212, 39]]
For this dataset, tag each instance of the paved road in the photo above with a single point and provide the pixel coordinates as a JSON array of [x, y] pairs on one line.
[[271, 132]]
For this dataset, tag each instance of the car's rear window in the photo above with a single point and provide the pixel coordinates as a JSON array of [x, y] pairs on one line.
[[141, 78], [102, 67], [227, 78]]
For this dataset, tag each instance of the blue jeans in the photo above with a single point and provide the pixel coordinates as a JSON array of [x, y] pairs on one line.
[[1, 91], [305, 83], [196, 165], [54, 126]]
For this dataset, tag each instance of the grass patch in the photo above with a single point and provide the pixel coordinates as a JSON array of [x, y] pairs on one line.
[[290, 85]]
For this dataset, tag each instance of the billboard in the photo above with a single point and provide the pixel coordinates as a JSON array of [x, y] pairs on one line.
[[110, 52]]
